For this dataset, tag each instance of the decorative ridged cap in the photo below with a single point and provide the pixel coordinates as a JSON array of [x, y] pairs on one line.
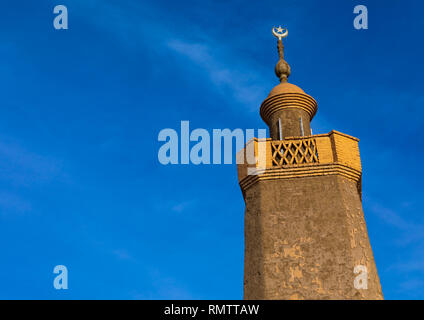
[[277, 102]]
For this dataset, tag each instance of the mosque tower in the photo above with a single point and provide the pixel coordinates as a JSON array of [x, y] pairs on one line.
[[305, 232]]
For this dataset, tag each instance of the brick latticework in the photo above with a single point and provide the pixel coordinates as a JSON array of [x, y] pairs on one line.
[[290, 152]]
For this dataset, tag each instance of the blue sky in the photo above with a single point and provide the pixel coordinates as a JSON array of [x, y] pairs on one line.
[[81, 109]]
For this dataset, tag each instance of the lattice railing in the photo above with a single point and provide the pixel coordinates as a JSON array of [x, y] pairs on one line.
[[292, 152]]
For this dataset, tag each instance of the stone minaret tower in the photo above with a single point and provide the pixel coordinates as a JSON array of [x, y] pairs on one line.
[[305, 233]]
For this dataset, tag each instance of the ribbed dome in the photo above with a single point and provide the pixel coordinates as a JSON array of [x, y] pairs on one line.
[[285, 87]]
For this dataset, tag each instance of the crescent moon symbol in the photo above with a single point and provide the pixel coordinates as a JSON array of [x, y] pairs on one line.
[[280, 35]]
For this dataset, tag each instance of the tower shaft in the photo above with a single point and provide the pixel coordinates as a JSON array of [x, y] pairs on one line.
[[305, 231]]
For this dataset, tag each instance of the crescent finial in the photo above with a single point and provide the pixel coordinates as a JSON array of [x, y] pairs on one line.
[[282, 69], [279, 32]]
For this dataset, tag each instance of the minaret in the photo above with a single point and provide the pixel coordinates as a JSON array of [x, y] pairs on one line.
[[305, 232]]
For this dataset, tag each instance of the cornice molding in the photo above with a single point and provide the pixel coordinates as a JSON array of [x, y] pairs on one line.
[[288, 101], [301, 171]]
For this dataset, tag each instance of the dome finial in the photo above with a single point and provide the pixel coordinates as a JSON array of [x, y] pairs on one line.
[[282, 69]]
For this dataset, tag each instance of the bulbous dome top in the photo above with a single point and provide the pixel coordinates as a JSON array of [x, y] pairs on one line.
[[285, 87]]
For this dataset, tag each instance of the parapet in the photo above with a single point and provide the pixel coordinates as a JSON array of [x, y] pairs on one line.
[[295, 157]]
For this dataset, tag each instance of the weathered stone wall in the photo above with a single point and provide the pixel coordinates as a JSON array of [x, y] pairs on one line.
[[290, 123], [303, 238]]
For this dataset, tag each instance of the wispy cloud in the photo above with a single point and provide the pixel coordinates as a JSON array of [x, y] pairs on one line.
[[10, 202], [222, 67], [23, 167], [169, 288], [409, 266], [391, 217], [161, 286], [121, 254], [241, 82], [408, 234], [411, 285], [411, 231], [180, 207]]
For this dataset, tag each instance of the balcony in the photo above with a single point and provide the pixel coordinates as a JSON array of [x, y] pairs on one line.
[[322, 154]]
